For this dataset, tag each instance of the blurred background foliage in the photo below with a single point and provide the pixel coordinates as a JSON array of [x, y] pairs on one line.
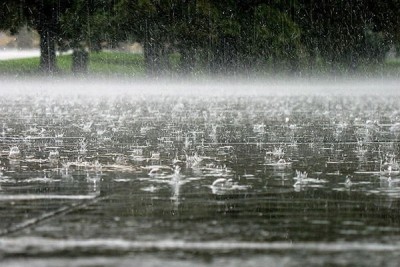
[[214, 36]]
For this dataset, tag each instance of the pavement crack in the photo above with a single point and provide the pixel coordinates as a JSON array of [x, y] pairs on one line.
[[47, 216]]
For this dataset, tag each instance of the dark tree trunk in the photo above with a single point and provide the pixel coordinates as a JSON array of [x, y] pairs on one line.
[[225, 56], [152, 57], [312, 60], [187, 61], [47, 50], [217, 59], [187, 38], [47, 23], [80, 61]]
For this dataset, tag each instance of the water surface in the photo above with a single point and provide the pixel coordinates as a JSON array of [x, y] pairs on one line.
[[172, 178]]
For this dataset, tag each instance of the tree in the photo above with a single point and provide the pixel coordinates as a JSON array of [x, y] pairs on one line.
[[40, 15], [348, 33], [87, 26], [386, 18], [163, 27], [249, 35]]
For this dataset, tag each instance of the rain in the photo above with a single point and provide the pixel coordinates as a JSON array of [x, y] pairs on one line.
[[175, 133]]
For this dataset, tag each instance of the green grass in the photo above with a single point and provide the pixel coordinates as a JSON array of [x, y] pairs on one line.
[[116, 63], [23, 66], [101, 63], [127, 64]]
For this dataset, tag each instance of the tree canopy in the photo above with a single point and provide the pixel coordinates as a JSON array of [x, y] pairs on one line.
[[40, 15], [216, 36]]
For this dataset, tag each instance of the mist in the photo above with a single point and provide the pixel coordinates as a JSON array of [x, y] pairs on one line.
[[223, 87]]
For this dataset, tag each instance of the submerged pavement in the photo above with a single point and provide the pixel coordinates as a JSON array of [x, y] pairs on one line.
[[94, 178]]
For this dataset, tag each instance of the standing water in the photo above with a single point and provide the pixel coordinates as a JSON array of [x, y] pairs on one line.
[[156, 175]]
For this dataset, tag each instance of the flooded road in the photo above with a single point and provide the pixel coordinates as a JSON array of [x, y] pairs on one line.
[[178, 179]]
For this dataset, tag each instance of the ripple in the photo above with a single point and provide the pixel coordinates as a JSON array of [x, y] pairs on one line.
[[47, 245], [49, 197]]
